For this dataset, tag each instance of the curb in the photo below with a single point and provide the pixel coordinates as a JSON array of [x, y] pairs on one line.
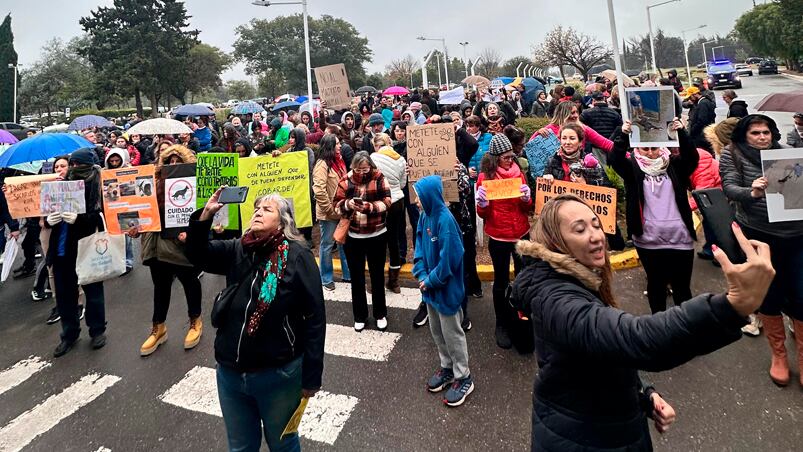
[[792, 76]]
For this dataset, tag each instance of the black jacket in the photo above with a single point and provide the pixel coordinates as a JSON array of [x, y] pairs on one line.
[[701, 114], [602, 118], [737, 109], [587, 393], [680, 170], [466, 146], [295, 324]]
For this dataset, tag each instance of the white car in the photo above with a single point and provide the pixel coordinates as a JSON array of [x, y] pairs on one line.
[[231, 103]]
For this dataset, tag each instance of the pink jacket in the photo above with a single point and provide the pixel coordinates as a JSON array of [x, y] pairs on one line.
[[705, 176], [596, 140]]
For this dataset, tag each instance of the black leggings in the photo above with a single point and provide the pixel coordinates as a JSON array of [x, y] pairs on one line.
[[162, 274], [372, 250], [395, 222], [667, 267], [500, 257]]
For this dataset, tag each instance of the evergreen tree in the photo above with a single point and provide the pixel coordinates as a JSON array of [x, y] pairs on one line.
[[7, 56]]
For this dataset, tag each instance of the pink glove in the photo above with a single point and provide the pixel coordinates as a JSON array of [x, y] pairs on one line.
[[482, 197], [525, 192]]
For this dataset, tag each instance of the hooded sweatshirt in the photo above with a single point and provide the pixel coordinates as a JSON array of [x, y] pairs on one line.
[[438, 259], [394, 168], [122, 153]]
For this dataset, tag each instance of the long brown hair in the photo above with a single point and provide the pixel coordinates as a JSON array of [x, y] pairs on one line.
[[562, 112], [547, 232]]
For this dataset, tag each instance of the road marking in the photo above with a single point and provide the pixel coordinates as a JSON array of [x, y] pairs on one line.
[[368, 344], [103, 449], [26, 427], [323, 420], [20, 372], [407, 299]]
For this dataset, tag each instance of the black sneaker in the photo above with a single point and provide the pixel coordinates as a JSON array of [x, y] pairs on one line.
[[458, 392], [80, 312], [39, 296], [63, 348], [329, 286], [502, 337], [54, 316], [98, 341], [421, 316], [24, 272], [466, 324], [477, 294], [439, 380]]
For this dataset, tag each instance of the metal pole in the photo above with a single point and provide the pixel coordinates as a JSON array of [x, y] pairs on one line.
[[686, 55], [475, 63], [518, 67], [309, 66], [652, 43], [714, 53], [445, 63], [465, 60], [425, 79], [440, 82], [15, 95], [617, 62]]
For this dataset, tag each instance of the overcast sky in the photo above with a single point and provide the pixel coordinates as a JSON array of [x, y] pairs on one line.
[[512, 26]]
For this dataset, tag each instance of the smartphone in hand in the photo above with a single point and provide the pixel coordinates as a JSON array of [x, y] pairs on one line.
[[233, 195]]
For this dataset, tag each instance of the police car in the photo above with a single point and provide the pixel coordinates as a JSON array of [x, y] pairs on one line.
[[723, 73]]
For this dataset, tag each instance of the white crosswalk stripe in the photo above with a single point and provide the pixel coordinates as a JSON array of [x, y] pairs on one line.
[[368, 344], [407, 299], [26, 427], [20, 372], [323, 420]]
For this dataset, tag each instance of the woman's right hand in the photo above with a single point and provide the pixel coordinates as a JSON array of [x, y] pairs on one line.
[[748, 283], [758, 187], [133, 232], [543, 131], [626, 127], [482, 197], [212, 205], [548, 177]]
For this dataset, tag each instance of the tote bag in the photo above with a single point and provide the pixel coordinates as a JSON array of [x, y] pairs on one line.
[[101, 256]]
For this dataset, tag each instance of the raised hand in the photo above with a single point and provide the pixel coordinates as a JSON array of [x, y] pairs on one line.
[[212, 205], [747, 283]]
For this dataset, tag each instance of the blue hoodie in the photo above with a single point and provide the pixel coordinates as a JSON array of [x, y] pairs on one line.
[[438, 259]]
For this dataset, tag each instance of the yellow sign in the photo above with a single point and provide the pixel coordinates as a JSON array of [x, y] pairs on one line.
[[502, 188], [287, 175], [295, 420], [602, 200]]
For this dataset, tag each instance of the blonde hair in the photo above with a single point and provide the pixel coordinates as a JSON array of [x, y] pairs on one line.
[[380, 140]]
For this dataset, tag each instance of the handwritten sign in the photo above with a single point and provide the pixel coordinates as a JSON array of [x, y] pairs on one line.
[[24, 194], [502, 188], [214, 170], [129, 199], [451, 192], [602, 200], [333, 84], [288, 175], [63, 196], [431, 149]]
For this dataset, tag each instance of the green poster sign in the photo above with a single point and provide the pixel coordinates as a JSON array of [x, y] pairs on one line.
[[214, 170]]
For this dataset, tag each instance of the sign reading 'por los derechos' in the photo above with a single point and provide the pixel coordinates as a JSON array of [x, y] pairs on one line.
[[602, 200], [431, 150]]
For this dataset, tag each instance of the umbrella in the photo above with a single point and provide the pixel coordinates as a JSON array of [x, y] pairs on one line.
[[790, 102], [193, 110], [531, 87], [42, 147], [159, 126], [285, 104], [366, 90], [497, 83], [396, 91], [610, 74], [27, 167], [244, 108], [88, 122], [284, 97], [316, 105], [477, 80], [7, 137], [301, 99]]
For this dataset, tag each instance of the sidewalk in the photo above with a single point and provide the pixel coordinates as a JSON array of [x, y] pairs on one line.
[[799, 78]]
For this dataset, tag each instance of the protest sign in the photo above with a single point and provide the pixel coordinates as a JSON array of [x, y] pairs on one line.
[[129, 199], [602, 200], [24, 194], [176, 192], [451, 191], [63, 196], [287, 175], [651, 112], [431, 150], [783, 169], [333, 84], [502, 188], [452, 97], [212, 171], [538, 151]]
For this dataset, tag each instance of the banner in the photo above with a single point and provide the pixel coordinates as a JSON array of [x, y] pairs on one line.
[[129, 199], [333, 84], [502, 188], [176, 192], [452, 97], [651, 112], [24, 194], [431, 149], [602, 200], [783, 169], [212, 171], [288, 175], [63, 196]]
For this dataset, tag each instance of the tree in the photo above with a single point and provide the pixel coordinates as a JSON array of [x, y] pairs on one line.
[[139, 46], [509, 68], [279, 43], [7, 56], [271, 83], [239, 89], [400, 71], [202, 69], [567, 47], [488, 66], [774, 29]]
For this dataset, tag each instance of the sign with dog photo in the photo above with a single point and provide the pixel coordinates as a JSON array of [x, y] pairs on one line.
[[129, 199], [177, 191]]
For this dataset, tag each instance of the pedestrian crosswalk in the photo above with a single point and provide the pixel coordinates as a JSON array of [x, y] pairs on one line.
[[20, 372], [407, 299]]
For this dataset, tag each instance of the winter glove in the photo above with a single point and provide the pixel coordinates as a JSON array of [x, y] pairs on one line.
[[482, 197], [54, 218], [69, 217], [525, 192]]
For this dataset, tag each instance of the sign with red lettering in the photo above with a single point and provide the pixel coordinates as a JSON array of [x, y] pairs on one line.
[[602, 200]]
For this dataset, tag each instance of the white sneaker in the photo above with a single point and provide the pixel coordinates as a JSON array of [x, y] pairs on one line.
[[382, 324], [359, 326], [754, 327]]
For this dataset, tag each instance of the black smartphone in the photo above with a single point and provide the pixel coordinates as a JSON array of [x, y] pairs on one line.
[[718, 214], [233, 195]]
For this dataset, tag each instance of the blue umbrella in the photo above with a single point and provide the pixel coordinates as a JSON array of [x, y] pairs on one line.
[[42, 147], [244, 108], [193, 110], [88, 122], [286, 104], [531, 87], [301, 99]]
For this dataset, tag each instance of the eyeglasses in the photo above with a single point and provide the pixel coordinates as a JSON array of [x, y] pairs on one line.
[[362, 170], [507, 157]]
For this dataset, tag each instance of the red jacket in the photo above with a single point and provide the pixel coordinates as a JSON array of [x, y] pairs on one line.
[[505, 219], [705, 176]]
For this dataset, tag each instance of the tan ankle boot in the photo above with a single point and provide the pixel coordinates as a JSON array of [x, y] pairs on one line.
[[798, 324], [393, 280], [157, 337], [194, 333], [776, 335]]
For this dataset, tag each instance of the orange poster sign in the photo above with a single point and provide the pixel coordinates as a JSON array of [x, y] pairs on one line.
[[602, 200], [502, 188], [129, 199], [24, 194]]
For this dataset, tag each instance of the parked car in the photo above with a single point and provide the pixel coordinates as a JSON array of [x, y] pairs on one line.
[[552, 80], [723, 73], [753, 60], [231, 103], [767, 67], [743, 69], [19, 131]]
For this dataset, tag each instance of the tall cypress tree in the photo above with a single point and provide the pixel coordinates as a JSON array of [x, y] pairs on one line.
[[7, 56]]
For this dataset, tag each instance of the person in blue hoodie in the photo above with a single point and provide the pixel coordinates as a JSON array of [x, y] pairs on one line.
[[438, 267]]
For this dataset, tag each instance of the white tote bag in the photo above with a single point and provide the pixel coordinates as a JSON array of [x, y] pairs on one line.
[[101, 256]]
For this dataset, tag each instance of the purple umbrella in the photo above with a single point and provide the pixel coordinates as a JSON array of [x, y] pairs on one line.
[[7, 137]]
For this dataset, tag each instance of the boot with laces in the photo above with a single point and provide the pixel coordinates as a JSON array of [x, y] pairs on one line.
[[194, 333], [157, 337]]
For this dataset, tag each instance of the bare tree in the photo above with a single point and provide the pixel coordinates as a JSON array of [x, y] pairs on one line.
[[401, 69], [490, 60], [567, 47]]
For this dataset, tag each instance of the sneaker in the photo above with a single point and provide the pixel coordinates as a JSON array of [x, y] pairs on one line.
[[98, 341], [63, 348], [382, 324], [458, 392], [359, 326], [330, 286], [466, 324], [39, 296], [54, 316], [754, 327], [80, 312], [439, 380], [477, 294], [421, 316], [502, 337]]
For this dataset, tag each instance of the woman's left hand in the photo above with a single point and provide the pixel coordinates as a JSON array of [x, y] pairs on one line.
[[663, 414], [308, 393], [676, 124], [577, 179], [525, 192]]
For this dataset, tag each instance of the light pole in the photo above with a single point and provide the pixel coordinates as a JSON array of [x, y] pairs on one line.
[[475, 63], [465, 60], [649, 24], [16, 73], [714, 52], [303, 4], [686, 50], [705, 55], [446, 68], [620, 84], [424, 79]]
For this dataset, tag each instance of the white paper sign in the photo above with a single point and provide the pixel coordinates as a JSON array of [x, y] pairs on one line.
[[452, 97], [179, 201], [783, 169], [63, 196]]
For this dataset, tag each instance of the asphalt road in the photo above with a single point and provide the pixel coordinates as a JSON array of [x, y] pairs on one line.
[[755, 88]]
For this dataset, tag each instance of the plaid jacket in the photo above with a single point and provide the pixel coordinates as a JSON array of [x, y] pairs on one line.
[[375, 192]]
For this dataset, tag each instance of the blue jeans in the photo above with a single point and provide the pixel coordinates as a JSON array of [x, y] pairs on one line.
[[129, 252], [265, 399], [327, 247]]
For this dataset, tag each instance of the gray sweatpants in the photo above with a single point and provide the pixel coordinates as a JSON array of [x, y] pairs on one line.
[[451, 341]]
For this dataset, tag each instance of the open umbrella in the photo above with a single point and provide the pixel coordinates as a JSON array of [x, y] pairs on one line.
[[244, 108], [193, 110], [396, 91], [789, 102], [531, 87], [88, 122], [610, 74], [316, 105], [284, 97], [159, 126], [55, 128], [7, 137], [27, 167], [285, 104], [478, 80], [42, 147], [366, 90]]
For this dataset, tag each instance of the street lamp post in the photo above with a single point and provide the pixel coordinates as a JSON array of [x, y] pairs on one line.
[[714, 52], [445, 62], [705, 55], [304, 14], [620, 84], [424, 78], [16, 73], [649, 25], [465, 60], [686, 50]]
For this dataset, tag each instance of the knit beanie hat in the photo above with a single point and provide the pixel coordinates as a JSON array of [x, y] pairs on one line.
[[375, 119], [84, 156], [500, 144]]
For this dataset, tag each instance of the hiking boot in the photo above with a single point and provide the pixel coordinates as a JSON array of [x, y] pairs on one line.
[[63, 348], [393, 280], [194, 333], [439, 380], [39, 296], [421, 316], [458, 392], [54, 316], [157, 337], [98, 341], [502, 337], [754, 327], [330, 286]]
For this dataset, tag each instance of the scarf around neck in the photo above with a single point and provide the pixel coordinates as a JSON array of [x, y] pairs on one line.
[[272, 249], [570, 158], [514, 171], [653, 167]]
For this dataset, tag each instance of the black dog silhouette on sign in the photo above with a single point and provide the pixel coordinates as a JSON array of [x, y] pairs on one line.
[[181, 193]]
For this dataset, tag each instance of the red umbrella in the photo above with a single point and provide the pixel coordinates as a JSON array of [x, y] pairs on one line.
[[396, 91], [790, 102]]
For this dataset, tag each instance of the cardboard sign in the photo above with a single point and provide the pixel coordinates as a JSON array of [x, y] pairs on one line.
[[288, 175], [214, 170], [431, 149], [129, 199], [601, 199], [63, 196], [333, 84], [24, 194], [502, 188], [451, 192]]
